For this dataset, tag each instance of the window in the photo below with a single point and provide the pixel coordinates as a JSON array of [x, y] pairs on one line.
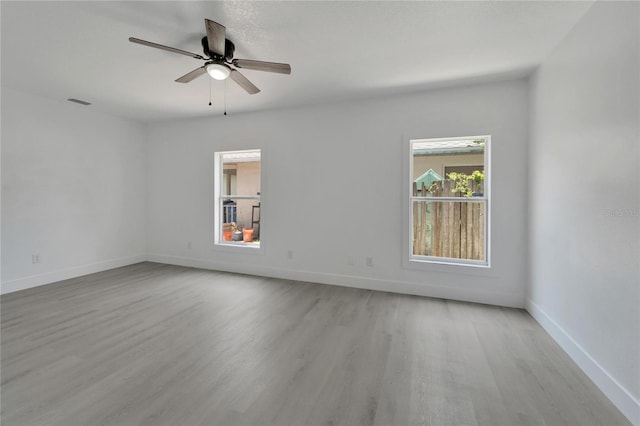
[[449, 186], [237, 198]]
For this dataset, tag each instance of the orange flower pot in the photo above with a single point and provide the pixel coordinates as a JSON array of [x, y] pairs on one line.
[[227, 235], [247, 235]]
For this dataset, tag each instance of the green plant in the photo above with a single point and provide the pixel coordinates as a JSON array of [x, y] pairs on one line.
[[477, 176], [461, 184], [461, 181]]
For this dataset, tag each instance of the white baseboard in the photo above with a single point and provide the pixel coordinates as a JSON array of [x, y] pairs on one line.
[[419, 289], [64, 274], [621, 398]]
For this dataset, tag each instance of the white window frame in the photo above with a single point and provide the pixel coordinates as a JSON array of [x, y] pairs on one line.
[[218, 197], [430, 262]]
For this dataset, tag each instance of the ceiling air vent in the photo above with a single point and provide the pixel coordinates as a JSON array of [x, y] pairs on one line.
[[78, 101]]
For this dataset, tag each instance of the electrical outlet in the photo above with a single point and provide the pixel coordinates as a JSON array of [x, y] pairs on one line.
[[35, 258], [369, 261], [290, 254]]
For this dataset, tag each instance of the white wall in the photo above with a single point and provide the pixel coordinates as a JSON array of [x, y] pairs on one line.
[[334, 176], [584, 203], [73, 190]]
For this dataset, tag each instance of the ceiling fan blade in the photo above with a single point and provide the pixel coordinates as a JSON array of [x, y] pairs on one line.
[[262, 66], [215, 37], [243, 82], [163, 47], [192, 75]]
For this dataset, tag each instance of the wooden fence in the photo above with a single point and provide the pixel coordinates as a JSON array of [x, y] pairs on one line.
[[448, 228]]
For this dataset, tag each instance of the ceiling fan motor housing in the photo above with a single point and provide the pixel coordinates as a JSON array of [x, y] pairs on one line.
[[229, 49]]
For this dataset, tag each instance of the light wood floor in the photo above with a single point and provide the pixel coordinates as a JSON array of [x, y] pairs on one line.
[[153, 344]]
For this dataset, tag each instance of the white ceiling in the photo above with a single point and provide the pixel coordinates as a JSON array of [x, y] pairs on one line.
[[337, 50]]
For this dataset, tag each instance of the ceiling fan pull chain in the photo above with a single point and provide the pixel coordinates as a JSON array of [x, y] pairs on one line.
[[209, 92], [225, 97]]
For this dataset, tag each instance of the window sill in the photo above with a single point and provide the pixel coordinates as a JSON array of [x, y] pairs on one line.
[[448, 266], [447, 261], [239, 247]]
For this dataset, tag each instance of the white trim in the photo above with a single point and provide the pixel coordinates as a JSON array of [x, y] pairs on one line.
[[417, 259], [621, 398], [403, 287], [240, 197], [217, 244], [409, 260], [238, 247], [430, 199], [64, 274]]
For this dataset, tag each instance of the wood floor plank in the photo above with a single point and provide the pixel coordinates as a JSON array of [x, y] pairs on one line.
[[153, 344]]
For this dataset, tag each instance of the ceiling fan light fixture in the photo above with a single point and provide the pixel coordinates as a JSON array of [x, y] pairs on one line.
[[218, 71]]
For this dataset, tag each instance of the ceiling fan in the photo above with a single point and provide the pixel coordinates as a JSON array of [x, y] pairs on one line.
[[219, 61]]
